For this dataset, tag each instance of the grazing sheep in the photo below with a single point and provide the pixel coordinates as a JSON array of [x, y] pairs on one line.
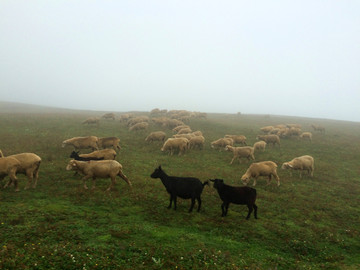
[[263, 168], [109, 142], [171, 144], [106, 154], [197, 133], [98, 169], [136, 120], [319, 128], [156, 136], [109, 116], [187, 136], [267, 129], [139, 126], [9, 167], [82, 142], [184, 187], [274, 139], [241, 152], [292, 131], [176, 129], [303, 163], [260, 145], [184, 131], [172, 123], [241, 139], [197, 142], [306, 135], [92, 120], [75, 155], [238, 195], [29, 166], [222, 143], [125, 117], [294, 126]]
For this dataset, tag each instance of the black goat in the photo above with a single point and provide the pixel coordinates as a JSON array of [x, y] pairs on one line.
[[75, 155], [238, 195], [184, 187]]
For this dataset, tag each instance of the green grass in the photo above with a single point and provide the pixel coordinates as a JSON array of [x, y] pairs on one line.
[[303, 224]]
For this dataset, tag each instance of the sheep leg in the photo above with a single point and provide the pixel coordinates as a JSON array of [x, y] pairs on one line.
[[254, 184], [36, 176], [255, 210], [84, 180], [174, 198], [113, 182], [171, 199], [223, 209], [192, 204], [29, 175], [233, 160], [250, 207], [226, 208], [199, 203], [277, 178]]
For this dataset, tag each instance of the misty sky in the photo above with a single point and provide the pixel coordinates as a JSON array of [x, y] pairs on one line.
[[299, 58]]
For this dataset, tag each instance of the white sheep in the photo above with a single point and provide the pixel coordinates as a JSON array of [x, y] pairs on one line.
[[184, 131], [241, 152], [176, 129], [306, 135], [156, 136], [274, 139], [263, 168], [319, 128], [138, 119], [241, 139], [109, 116], [267, 129], [106, 154], [171, 144], [9, 167], [222, 143], [92, 120], [109, 142], [260, 145], [139, 126], [82, 142], [197, 142], [98, 169], [29, 166], [303, 163]]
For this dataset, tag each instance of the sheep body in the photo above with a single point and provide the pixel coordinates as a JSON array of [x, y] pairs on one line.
[[222, 143], [109, 116], [319, 128], [183, 187], [303, 163], [274, 139], [263, 168], [241, 152], [172, 144], [156, 136], [98, 169], [267, 129], [82, 142], [9, 167], [108, 142], [241, 139], [197, 142], [260, 145], [139, 126], [106, 154], [75, 155], [238, 195], [91, 120], [306, 135]]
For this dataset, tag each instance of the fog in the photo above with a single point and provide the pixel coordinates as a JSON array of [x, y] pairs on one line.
[[297, 58]]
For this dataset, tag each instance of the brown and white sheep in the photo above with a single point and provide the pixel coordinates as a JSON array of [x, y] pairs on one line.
[[241, 139], [9, 167], [263, 168], [29, 166], [274, 139], [109, 142], [241, 152], [260, 145], [306, 135], [139, 126], [82, 142], [106, 154], [92, 120], [222, 143], [197, 142], [173, 144], [303, 163], [98, 169], [156, 136]]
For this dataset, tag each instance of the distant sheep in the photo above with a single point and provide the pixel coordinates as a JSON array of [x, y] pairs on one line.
[[222, 143], [273, 139], [109, 142], [176, 129], [267, 129], [241, 152], [319, 128], [175, 144], [183, 187], [92, 120], [138, 119], [156, 136], [306, 135], [105, 154], [238, 195], [109, 116], [98, 169], [294, 126], [184, 131], [9, 167], [260, 145], [29, 166], [263, 168], [241, 139], [82, 142], [197, 142], [139, 126], [303, 163]]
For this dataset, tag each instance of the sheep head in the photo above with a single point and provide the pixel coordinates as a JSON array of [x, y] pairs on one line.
[[71, 165], [286, 165], [245, 179], [157, 172], [218, 183]]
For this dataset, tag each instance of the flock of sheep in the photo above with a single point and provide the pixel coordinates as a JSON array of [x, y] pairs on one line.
[[101, 162]]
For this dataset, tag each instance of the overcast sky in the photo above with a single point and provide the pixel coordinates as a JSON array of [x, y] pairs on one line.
[[299, 58]]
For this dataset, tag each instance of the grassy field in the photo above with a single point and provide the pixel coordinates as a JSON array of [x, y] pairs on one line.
[[308, 223]]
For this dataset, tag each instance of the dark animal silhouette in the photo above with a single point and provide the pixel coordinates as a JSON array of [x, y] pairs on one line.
[[238, 195], [183, 187]]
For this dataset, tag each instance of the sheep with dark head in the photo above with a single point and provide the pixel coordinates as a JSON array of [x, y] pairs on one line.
[[183, 187], [238, 195]]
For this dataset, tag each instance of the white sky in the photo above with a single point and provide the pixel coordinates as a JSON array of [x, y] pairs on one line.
[[298, 58]]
